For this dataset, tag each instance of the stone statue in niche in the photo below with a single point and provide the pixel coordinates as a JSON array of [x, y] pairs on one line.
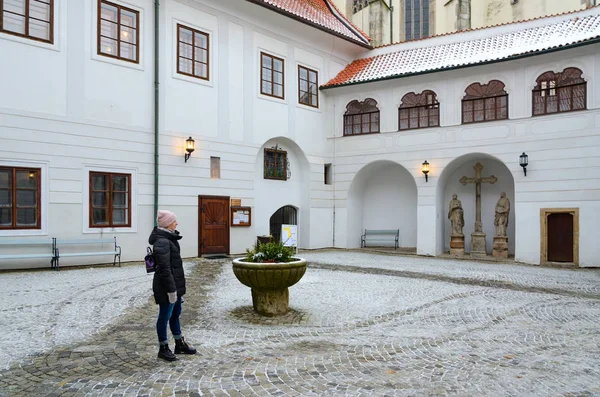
[[501, 218], [456, 216]]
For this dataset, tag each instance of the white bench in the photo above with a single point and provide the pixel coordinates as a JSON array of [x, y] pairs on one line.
[[380, 236], [8, 246], [114, 249]]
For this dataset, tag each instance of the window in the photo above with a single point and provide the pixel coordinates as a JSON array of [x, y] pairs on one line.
[[308, 83], [358, 5], [271, 76], [416, 19], [560, 92], [361, 117], [118, 32], [419, 111], [215, 168], [20, 203], [110, 200], [485, 102], [275, 164], [192, 52], [28, 18], [327, 174]]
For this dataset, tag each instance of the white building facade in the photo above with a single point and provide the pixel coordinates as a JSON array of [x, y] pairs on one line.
[[80, 123]]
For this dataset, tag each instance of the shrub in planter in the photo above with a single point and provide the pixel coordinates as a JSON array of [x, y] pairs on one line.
[[271, 252], [269, 269]]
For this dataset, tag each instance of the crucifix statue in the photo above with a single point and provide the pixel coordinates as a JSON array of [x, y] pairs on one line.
[[478, 236]]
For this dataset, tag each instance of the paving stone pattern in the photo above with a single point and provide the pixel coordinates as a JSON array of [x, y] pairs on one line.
[[361, 324]]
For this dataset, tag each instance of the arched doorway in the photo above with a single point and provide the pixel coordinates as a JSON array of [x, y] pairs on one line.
[[460, 177], [383, 195], [286, 215], [293, 190]]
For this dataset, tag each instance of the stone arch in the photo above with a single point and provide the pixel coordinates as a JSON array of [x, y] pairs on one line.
[[272, 194], [383, 195], [448, 184]]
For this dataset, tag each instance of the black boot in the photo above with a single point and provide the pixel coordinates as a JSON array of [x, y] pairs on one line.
[[165, 353], [182, 347]]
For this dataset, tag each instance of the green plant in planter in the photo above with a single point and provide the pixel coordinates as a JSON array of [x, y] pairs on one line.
[[271, 252]]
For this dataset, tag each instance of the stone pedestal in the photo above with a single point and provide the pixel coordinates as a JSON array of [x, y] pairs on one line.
[[271, 303], [478, 250], [500, 247], [457, 245], [269, 283]]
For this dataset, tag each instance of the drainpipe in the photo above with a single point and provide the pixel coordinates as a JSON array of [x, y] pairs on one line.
[[156, 104], [333, 164], [391, 22]]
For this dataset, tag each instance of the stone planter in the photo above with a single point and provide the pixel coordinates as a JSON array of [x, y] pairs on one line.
[[269, 283]]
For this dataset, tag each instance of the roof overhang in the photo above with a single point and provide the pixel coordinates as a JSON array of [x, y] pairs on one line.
[[281, 11], [510, 58]]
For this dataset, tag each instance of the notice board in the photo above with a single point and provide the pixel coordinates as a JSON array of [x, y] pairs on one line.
[[241, 216]]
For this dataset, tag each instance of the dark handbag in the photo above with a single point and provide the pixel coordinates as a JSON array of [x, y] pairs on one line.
[[150, 262]]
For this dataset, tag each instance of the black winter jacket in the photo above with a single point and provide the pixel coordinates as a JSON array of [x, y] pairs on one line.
[[169, 275]]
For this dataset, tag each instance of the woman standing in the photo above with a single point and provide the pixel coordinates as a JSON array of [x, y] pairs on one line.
[[168, 285]]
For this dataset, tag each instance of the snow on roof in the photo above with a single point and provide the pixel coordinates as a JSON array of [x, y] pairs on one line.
[[490, 46], [320, 13]]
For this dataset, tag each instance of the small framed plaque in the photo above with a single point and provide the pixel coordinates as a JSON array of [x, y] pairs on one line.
[[236, 202], [241, 216]]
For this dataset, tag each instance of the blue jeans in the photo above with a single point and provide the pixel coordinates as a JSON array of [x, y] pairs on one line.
[[168, 313]]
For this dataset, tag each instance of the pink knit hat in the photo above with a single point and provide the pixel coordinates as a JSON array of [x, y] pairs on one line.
[[165, 218]]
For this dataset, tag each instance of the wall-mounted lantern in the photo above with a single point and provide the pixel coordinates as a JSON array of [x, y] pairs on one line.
[[189, 148], [523, 162], [425, 169]]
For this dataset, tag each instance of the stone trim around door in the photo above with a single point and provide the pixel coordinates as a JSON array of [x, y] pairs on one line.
[[544, 213]]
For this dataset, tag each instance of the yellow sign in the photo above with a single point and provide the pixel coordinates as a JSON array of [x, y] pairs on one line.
[[236, 202], [289, 235]]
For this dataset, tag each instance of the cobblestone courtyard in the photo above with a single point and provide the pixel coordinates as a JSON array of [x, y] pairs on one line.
[[361, 324]]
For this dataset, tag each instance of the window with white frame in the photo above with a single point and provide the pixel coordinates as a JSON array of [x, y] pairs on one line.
[[118, 32], [32, 19], [20, 198], [109, 200]]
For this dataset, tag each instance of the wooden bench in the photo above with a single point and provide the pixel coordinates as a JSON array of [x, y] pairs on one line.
[[114, 249], [380, 236], [10, 244]]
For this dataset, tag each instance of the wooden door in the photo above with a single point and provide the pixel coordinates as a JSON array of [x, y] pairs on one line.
[[213, 222], [560, 237]]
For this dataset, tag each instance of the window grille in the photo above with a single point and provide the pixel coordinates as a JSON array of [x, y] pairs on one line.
[[275, 164], [560, 92], [485, 102], [419, 111], [361, 117]]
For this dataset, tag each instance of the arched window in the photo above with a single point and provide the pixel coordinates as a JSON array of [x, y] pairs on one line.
[[485, 102], [361, 117], [419, 111], [559, 92]]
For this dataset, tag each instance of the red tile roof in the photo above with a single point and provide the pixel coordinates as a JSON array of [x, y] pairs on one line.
[[495, 46], [350, 72], [319, 13]]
